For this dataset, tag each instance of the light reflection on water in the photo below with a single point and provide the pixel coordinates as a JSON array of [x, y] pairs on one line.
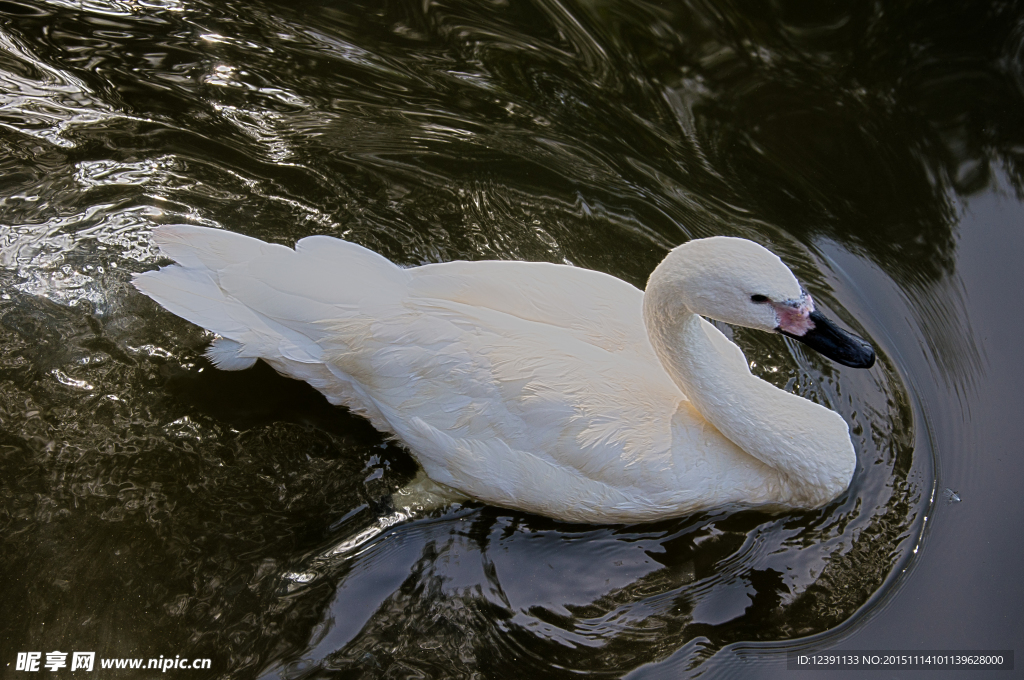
[[152, 504]]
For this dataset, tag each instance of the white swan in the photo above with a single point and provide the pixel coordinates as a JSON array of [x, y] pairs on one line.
[[542, 387]]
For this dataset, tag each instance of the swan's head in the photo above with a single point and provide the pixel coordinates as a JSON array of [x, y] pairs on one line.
[[742, 283]]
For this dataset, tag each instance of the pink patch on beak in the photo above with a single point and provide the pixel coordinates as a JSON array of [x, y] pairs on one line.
[[794, 315]]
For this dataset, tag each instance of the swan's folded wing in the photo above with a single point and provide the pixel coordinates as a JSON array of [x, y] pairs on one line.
[[478, 374]]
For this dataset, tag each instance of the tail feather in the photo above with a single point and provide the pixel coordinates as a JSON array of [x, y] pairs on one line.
[[270, 301], [194, 295], [205, 248]]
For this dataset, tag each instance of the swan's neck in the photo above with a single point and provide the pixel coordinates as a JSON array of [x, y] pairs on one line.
[[807, 444]]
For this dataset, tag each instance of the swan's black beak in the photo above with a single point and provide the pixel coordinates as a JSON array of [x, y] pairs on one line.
[[831, 341]]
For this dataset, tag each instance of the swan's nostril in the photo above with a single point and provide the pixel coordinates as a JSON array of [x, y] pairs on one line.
[[795, 315]]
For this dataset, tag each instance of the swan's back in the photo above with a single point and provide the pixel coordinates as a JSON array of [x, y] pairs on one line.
[[247, 290], [594, 307]]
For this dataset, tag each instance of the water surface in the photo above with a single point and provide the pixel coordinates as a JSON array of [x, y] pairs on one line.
[[152, 505]]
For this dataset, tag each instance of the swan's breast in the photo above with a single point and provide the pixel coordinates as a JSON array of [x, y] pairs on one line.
[[711, 469]]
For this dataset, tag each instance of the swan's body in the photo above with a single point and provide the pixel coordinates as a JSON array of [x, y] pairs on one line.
[[530, 385]]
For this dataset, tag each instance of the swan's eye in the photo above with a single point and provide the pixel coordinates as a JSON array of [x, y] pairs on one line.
[[759, 299]]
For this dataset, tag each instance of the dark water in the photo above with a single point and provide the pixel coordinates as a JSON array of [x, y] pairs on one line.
[[150, 505]]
